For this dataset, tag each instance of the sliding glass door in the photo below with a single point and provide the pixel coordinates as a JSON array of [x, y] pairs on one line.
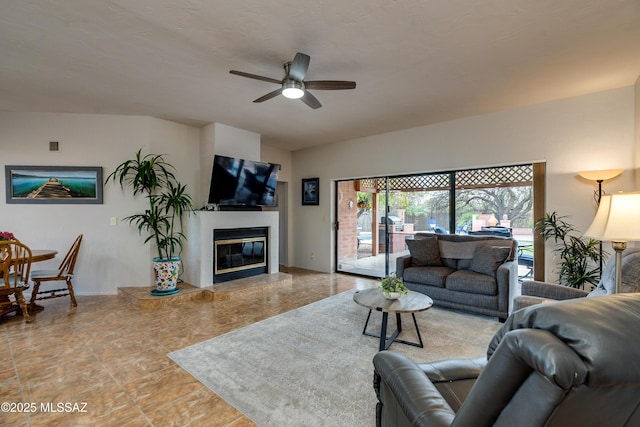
[[361, 231], [375, 216]]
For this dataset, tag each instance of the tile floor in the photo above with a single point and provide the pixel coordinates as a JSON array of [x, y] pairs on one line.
[[111, 356]]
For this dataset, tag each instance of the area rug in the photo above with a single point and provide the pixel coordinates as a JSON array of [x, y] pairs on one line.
[[313, 367]]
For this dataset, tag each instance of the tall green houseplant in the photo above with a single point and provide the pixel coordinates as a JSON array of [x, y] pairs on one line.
[[154, 178], [579, 257]]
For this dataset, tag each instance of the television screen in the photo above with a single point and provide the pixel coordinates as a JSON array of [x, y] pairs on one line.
[[242, 182]]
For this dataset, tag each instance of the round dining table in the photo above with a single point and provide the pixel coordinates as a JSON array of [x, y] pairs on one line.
[[38, 255]]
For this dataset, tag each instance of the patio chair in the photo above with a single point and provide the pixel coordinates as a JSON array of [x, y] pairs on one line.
[[525, 260]]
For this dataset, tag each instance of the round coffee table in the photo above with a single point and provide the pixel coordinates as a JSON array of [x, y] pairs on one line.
[[413, 302]]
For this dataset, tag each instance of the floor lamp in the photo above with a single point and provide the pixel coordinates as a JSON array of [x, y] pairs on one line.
[[599, 176], [617, 221]]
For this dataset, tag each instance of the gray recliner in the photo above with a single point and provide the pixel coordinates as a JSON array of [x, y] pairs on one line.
[[536, 292], [572, 363]]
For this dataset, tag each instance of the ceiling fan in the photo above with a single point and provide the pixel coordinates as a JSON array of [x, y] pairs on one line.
[[293, 85]]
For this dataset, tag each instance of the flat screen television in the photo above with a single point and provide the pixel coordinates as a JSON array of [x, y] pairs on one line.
[[240, 182]]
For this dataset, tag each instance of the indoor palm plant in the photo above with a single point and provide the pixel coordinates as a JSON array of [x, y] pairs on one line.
[[153, 177], [579, 257], [392, 287]]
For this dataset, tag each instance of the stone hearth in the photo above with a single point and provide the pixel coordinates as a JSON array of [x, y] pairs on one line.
[[140, 296]]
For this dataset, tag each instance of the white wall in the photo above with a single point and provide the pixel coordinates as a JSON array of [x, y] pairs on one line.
[[637, 129], [218, 138], [283, 192], [110, 256], [594, 131]]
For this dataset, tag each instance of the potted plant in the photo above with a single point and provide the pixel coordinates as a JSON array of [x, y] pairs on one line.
[[392, 287], [577, 255], [152, 177], [7, 235]]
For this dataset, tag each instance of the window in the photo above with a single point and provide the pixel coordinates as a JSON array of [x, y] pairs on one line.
[[376, 215]]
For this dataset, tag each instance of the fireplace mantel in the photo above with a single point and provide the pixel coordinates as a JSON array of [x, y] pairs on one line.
[[198, 251]]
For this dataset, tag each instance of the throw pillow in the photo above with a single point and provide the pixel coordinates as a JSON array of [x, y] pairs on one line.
[[607, 284], [487, 259], [424, 252]]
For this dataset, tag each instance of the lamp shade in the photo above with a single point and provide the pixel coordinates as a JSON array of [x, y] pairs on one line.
[[617, 218], [600, 175]]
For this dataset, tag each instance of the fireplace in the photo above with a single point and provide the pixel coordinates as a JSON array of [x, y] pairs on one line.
[[198, 255], [239, 252]]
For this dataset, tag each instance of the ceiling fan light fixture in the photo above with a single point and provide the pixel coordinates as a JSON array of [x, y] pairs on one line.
[[292, 89], [294, 86]]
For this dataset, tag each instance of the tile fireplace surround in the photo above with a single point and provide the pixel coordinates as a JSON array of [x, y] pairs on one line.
[[198, 253]]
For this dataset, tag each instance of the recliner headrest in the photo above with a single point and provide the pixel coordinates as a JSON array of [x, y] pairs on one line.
[[603, 331]]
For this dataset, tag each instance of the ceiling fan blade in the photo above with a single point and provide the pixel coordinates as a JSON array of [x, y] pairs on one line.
[[269, 95], [311, 100], [330, 84], [299, 67], [255, 76]]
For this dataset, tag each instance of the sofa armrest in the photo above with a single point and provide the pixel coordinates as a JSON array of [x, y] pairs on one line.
[[402, 263], [551, 291], [454, 378], [453, 369], [406, 395], [523, 301], [507, 281]]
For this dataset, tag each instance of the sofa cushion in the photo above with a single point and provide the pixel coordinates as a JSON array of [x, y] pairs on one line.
[[464, 264], [487, 259], [457, 250], [607, 284], [462, 246], [424, 252], [472, 282], [450, 262], [433, 276]]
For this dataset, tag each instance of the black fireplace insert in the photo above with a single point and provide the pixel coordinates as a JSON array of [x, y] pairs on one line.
[[239, 253]]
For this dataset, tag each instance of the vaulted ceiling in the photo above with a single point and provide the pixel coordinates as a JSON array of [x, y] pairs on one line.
[[415, 62]]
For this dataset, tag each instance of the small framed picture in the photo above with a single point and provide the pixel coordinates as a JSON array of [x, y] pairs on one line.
[[310, 191]]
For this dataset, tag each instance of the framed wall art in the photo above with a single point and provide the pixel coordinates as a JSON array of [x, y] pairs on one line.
[[54, 184], [310, 191]]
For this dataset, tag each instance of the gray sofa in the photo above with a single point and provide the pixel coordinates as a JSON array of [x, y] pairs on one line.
[[472, 273]]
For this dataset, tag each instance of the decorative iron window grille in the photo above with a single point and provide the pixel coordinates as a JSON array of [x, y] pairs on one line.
[[508, 176], [505, 176]]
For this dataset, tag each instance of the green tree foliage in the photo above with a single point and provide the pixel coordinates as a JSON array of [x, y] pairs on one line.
[[516, 203]]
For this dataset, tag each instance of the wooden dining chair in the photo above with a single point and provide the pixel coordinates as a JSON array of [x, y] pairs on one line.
[[63, 273], [15, 265]]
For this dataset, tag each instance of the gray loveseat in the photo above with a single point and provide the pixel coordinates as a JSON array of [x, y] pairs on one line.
[[474, 274]]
